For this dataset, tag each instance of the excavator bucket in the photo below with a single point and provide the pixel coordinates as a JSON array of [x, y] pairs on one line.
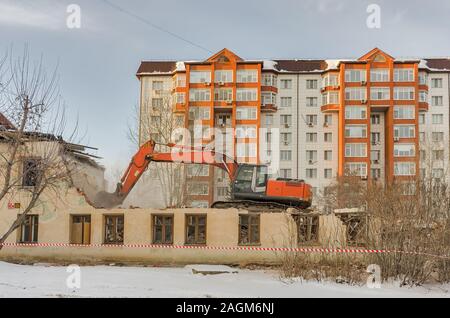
[[106, 200]]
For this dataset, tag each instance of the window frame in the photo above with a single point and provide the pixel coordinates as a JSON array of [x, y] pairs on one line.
[[250, 229], [163, 228], [196, 229]]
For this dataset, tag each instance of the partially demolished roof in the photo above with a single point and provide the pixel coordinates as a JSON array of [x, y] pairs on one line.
[[77, 151]]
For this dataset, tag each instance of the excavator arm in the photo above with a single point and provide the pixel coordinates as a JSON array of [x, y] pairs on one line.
[[147, 154]]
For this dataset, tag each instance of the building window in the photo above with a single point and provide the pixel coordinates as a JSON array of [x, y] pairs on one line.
[[379, 75], [380, 93], [404, 112], [311, 156], [403, 75], [199, 204], [249, 229], [311, 173], [436, 82], [223, 94], [328, 173], [268, 99], [375, 138], [269, 80], [162, 229], [355, 75], [31, 172], [437, 101], [311, 120], [286, 138], [354, 93], [356, 150], [196, 229], [423, 96], [225, 76], [114, 229], [328, 155], [268, 120], [157, 103], [199, 95], [311, 84], [404, 131], [29, 229], [358, 169], [355, 112], [311, 101], [375, 119], [286, 173], [404, 150], [437, 119], [404, 168], [356, 131], [197, 188], [245, 131], [308, 229], [438, 155], [422, 119], [404, 93], [311, 137], [200, 77], [328, 137], [80, 230], [328, 120], [157, 85], [246, 150], [285, 155], [437, 136], [199, 113], [286, 101], [247, 76], [375, 173], [286, 84], [286, 120], [247, 94], [246, 113]]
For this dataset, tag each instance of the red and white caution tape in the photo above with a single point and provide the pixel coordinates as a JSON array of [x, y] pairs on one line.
[[227, 248]]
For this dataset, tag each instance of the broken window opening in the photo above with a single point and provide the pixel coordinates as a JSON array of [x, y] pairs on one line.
[[307, 228], [32, 172], [114, 229], [249, 229], [356, 228], [29, 229], [196, 229], [163, 229]]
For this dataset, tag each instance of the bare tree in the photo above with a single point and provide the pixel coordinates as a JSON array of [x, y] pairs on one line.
[[157, 121], [34, 159]]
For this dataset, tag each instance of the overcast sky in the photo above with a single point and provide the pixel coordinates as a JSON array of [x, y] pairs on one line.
[[98, 62]]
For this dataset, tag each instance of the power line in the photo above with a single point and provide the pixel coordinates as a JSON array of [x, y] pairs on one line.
[[143, 20]]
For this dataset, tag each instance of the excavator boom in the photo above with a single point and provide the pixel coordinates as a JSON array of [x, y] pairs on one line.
[[146, 154]]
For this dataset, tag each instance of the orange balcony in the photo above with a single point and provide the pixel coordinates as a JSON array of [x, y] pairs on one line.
[[328, 108], [179, 108], [423, 106], [269, 108]]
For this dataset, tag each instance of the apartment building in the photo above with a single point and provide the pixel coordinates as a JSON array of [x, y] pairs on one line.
[[376, 117]]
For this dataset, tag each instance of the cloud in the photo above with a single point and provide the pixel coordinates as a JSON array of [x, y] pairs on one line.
[[15, 14]]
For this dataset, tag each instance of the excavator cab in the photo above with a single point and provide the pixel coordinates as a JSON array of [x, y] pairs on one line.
[[250, 182]]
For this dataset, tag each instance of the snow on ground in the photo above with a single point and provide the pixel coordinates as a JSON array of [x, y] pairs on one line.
[[112, 281]]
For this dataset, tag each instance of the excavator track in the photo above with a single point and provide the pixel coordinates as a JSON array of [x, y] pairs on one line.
[[255, 206]]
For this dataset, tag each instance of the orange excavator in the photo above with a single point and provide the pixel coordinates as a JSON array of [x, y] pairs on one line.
[[251, 187]]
